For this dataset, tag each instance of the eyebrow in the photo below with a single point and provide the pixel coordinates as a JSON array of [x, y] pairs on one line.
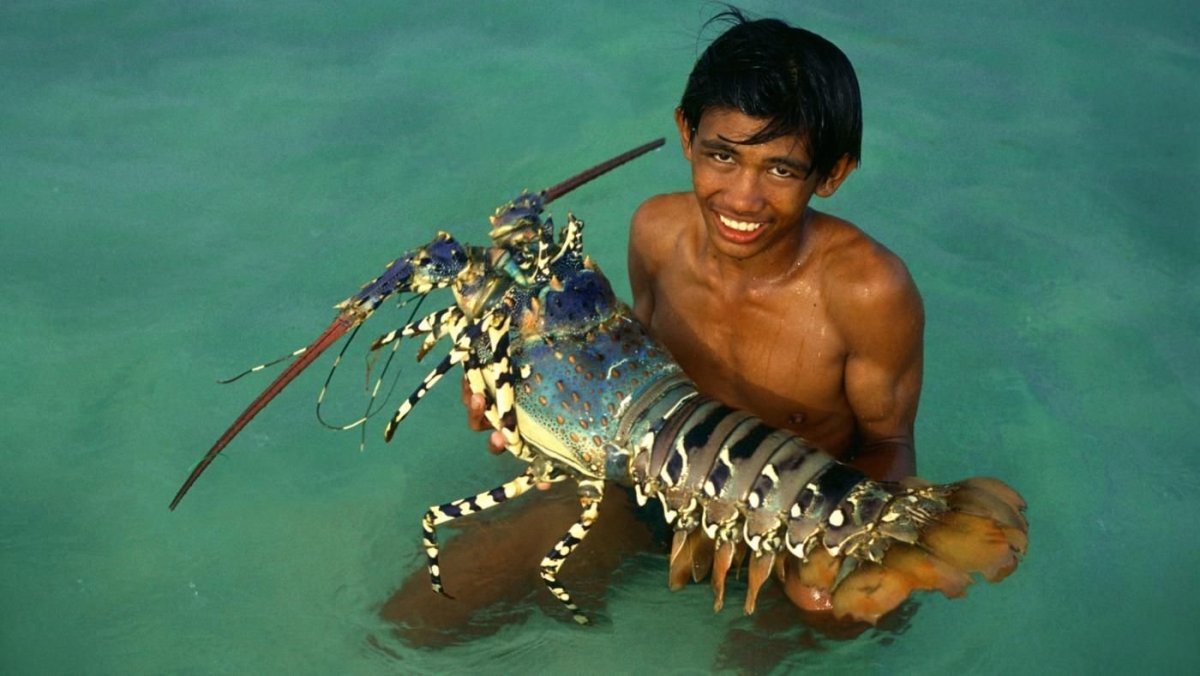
[[724, 145]]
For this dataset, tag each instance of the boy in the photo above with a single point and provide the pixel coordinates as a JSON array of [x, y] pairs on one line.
[[771, 306]]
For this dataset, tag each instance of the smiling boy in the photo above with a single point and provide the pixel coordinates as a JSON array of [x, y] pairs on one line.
[[768, 304]]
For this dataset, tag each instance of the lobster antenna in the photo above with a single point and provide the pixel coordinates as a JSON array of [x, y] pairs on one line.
[[554, 192], [329, 378], [369, 413], [338, 360], [256, 369]]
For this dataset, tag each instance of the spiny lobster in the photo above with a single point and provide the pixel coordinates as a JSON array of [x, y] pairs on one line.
[[581, 392]]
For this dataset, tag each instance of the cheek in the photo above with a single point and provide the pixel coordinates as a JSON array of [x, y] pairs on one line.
[[705, 180], [788, 199]]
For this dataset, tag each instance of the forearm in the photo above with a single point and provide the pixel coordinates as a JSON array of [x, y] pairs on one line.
[[888, 460]]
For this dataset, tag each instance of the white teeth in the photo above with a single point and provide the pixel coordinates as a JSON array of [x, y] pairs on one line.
[[740, 226]]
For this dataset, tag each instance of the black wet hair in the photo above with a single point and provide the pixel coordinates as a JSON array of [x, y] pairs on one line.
[[796, 80]]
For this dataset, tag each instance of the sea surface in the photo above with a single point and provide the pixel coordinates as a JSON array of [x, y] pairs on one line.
[[186, 188]]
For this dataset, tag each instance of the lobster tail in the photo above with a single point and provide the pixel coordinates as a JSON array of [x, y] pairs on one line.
[[919, 537], [733, 487]]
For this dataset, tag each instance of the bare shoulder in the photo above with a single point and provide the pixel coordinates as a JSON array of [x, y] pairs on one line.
[[658, 223], [656, 240], [864, 278], [673, 206]]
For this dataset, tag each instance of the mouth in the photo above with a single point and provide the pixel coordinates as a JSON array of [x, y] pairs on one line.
[[738, 231]]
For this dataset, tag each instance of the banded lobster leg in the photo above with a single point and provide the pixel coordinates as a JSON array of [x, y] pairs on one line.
[[590, 494], [466, 335], [434, 326], [489, 370], [484, 346], [460, 352], [437, 515]]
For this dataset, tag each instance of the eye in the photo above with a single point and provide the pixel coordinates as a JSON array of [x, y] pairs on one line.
[[721, 157], [782, 172]]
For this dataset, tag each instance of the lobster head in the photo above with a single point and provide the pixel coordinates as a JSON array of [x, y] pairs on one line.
[[421, 270]]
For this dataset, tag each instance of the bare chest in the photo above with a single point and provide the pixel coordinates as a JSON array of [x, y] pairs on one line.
[[779, 357]]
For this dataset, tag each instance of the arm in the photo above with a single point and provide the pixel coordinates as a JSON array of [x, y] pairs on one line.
[[884, 322], [639, 260]]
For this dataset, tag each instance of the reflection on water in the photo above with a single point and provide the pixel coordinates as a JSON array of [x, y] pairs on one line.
[[490, 568]]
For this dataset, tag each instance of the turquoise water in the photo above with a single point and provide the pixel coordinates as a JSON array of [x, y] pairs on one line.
[[187, 188]]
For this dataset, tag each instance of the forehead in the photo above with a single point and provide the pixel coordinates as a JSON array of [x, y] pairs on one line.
[[732, 126]]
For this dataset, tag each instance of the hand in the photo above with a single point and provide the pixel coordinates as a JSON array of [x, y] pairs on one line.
[[476, 420]]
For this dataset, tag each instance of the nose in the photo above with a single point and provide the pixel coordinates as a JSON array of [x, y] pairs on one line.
[[744, 194]]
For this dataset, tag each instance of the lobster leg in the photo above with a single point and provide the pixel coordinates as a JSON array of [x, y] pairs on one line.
[[436, 324], [439, 514], [460, 352], [591, 492], [501, 405], [430, 380], [503, 412]]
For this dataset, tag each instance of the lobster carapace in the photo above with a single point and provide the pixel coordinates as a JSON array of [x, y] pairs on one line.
[[583, 393]]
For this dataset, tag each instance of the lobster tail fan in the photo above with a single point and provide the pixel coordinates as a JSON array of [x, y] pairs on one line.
[[984, 531], [870, 592], [941, 537], [972, 544]]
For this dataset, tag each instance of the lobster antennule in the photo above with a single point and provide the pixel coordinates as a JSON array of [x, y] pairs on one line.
[[345, 321]]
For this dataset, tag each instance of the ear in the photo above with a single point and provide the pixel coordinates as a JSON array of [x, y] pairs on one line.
[[842, 169], [685, 134]]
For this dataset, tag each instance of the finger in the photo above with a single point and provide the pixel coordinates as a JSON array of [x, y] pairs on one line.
[[476, 420], [496, 443], [543, 485]]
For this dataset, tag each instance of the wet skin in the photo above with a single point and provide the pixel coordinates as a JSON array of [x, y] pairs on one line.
[[804, 320], [779, 309]]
